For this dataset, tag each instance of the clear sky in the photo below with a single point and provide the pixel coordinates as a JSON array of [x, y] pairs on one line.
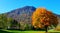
[[8, 5]]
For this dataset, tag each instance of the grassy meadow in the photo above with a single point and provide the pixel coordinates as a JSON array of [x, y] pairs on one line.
[[17, 31]]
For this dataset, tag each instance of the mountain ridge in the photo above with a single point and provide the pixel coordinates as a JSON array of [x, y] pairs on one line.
[[24, 10], [22, 14]]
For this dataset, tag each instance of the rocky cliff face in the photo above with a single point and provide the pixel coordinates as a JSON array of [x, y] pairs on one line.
[[22, 14]]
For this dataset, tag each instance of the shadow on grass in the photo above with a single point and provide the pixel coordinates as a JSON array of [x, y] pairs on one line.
[[54, 32], [1, 31]]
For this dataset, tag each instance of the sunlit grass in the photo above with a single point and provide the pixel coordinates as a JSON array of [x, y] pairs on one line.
[[17, 31]]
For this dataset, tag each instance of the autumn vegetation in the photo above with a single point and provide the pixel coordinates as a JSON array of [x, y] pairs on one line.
[[43, 18]]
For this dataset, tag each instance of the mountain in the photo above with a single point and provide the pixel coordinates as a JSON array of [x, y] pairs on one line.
[[22, 14], [58, 16], [58, 26]]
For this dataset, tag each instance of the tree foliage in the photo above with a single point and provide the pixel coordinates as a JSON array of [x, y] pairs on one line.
[[4, 21], [25, 26], [42, 17]]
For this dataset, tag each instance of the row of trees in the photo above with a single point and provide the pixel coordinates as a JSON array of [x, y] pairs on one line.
[[4, 21], [9, 23]]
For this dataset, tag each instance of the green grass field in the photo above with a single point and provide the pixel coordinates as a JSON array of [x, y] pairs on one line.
[[16, 31]]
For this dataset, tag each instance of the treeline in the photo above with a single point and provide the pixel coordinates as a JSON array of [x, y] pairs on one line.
[[10, 23]]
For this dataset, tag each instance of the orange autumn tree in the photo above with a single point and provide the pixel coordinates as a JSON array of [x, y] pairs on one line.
[[43, 18]]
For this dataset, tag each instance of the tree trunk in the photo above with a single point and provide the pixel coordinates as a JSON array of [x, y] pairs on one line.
[[46, 28]]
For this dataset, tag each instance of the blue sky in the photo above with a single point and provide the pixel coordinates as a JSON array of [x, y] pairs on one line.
[[8, 5]]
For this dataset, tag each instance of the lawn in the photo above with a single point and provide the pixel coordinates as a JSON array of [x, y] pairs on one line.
[[16, 31]]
